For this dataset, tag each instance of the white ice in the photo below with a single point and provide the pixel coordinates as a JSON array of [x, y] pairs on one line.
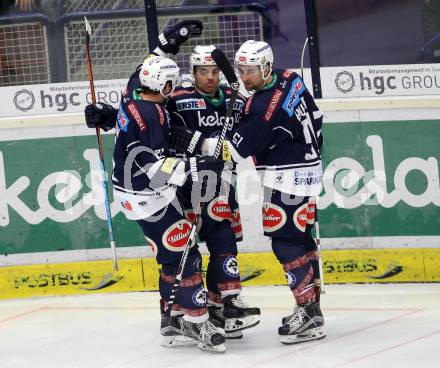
[[393, 325]]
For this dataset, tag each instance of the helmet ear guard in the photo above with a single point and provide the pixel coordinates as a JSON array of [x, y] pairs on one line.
[[255, 53], [156, 71]]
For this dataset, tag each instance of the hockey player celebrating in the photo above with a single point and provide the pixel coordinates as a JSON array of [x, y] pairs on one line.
[[203, 107], [147, 180], [280, 127]]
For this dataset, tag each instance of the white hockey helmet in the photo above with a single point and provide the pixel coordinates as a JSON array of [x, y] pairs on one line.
[[201, 55], [156, 71], [255, 53]]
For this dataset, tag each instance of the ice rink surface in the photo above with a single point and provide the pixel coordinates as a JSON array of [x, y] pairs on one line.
[[393, 325]]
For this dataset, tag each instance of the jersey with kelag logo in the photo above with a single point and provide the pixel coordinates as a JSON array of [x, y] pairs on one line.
[[144, 175], [188, 107], [281, 127]]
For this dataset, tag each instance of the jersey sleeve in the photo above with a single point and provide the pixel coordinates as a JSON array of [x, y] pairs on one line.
[[176, 119], [255, 130]]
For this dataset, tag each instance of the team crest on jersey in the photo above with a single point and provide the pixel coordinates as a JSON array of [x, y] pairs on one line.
[[300, 217], [190, 215], [219, 209], [293, 97], [274, 217], [122, 120], [175, 237], [199, 297], [230, 266], [191, 104], [291, 278], [236, 224], [152, 245]]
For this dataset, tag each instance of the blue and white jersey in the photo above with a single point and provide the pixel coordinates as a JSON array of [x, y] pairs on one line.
[[188, 107], [280, 127], [145, 175]]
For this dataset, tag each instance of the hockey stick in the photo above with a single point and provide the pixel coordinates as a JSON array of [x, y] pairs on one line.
[[101, 158], [222, 62], [317, 236], [318, 248]]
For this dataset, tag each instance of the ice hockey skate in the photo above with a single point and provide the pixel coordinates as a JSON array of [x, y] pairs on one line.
[[238, 315], [303, 325], [206, 334], [218, 320], [171, 330]]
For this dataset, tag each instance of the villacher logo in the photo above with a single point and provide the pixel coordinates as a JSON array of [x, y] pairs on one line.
[[24, 100], [344, 81]]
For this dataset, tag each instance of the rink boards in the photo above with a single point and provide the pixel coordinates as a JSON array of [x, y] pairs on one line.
[[379, 209], [340, 266]]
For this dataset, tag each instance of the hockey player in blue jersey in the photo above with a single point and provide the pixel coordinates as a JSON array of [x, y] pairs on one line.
[[203, 107], [280, 127], [147, 179]]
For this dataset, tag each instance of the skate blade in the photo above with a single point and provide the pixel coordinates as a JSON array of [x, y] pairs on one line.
[[177, 341], [239, 324], [236, 335], [315, 334], [214, 349]]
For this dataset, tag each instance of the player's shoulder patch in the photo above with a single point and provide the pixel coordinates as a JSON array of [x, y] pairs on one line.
[[293, 97], [122, 119], [134, 111], [274, 102], [287, 73], [183, 92], [248, 104], [160, 113]]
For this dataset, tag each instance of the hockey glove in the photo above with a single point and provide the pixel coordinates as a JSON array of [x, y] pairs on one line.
[[198, 166], [170, 40], [186, 140], [100, 116]]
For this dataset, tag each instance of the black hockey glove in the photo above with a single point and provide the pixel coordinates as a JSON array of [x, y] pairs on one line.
[[185, 140], [197, 166], [100, 115], [170, 40]]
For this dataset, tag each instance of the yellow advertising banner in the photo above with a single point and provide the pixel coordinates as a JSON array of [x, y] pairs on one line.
[[70, 278], [340, 266]]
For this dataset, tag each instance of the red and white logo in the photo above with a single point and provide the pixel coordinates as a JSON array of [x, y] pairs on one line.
[[175, 237], [160, 113], [127, 205], [274, 217], [208, 58], [219, 209], [287, 73], [145, 72], [236, 224], [202, 104], [242, 58], [137, 116], [300, 217], [311, 212]]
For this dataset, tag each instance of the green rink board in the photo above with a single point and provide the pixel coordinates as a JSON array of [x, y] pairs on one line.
[[37, 176]]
